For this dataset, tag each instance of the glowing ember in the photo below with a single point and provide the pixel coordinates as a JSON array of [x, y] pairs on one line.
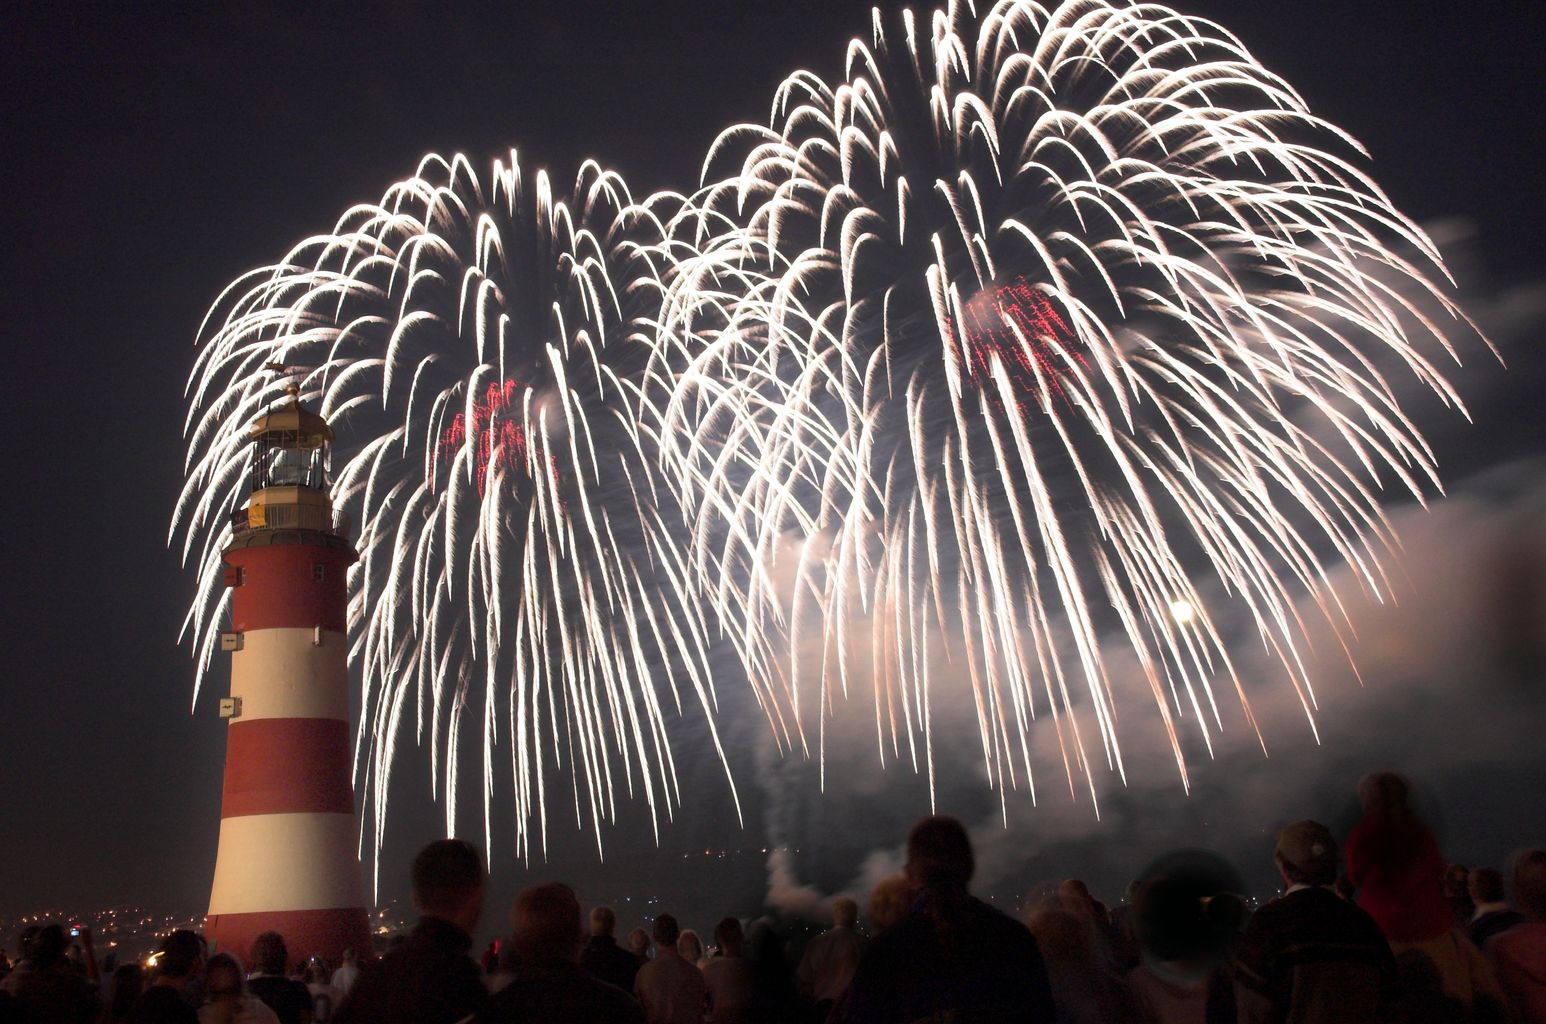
[[1015, 324], [497, 436]]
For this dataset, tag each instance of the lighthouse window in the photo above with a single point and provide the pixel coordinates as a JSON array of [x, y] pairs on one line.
[[318, 572]]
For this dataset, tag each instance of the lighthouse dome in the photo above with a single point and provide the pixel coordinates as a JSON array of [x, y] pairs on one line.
[[292, 426]]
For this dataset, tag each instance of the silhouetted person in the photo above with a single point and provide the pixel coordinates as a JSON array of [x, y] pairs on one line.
[[226, 999], [325, 997], [639, 945], [1124, 949], [45, 986], [1186, 917], [547, 983], [730, 977], [1084, 990], [890, 901], [179, 961], [1493, 915], [691, 948], [429, 979], [774, 997], [830, 959], [504, 970], [1519, 954], [290, 1000], [671, 989], [127, 983], [83, 955], [1309, 955], [1173, 987], [603, 957], [1457, 894], [347, 974], [1394, 860], [952, 956], [1075, 897]]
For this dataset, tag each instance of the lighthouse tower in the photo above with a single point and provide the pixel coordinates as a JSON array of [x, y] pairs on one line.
[[288, 833]]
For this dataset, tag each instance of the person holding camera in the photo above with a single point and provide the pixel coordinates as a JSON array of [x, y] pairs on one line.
[[44, 985]]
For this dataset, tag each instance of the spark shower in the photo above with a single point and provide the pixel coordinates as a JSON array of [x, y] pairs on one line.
[[950, 379]]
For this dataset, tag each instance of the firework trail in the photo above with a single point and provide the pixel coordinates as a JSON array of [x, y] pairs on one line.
[[1043, 333], [1024, 340], [476, 346]]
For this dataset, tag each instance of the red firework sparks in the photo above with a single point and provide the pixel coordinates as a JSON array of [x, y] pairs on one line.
[[1018, 324], [497, 435]]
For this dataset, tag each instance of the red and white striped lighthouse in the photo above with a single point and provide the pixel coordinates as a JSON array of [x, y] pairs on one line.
[[288, 833]]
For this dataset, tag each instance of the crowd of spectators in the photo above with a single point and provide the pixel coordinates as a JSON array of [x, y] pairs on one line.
[[1378, 929]]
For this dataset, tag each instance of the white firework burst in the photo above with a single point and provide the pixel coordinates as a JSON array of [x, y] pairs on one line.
[[1038, 326], [478, 349]]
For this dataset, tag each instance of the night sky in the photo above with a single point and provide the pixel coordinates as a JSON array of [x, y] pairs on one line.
[[153, 152]]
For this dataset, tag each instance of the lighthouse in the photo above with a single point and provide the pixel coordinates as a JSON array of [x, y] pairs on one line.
[[288, 836]]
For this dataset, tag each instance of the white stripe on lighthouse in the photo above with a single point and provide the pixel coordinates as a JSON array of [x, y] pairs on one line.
[[278, 862], [282, 673]]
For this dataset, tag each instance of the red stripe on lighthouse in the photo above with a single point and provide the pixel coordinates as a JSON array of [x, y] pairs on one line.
[[280, 587], [287, 765]]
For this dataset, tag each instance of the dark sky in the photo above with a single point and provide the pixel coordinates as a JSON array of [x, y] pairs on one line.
[[152, 152]]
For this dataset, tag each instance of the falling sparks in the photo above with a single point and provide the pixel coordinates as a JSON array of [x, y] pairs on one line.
[[1015, 327], [1042, 334], [496, 437], [474, 344]]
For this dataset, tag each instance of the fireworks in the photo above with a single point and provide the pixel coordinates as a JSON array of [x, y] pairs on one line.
[[1044, 334], [476, 347], [1029, 328]]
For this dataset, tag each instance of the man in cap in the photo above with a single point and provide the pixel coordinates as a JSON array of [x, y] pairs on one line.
[[1310, 955]]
